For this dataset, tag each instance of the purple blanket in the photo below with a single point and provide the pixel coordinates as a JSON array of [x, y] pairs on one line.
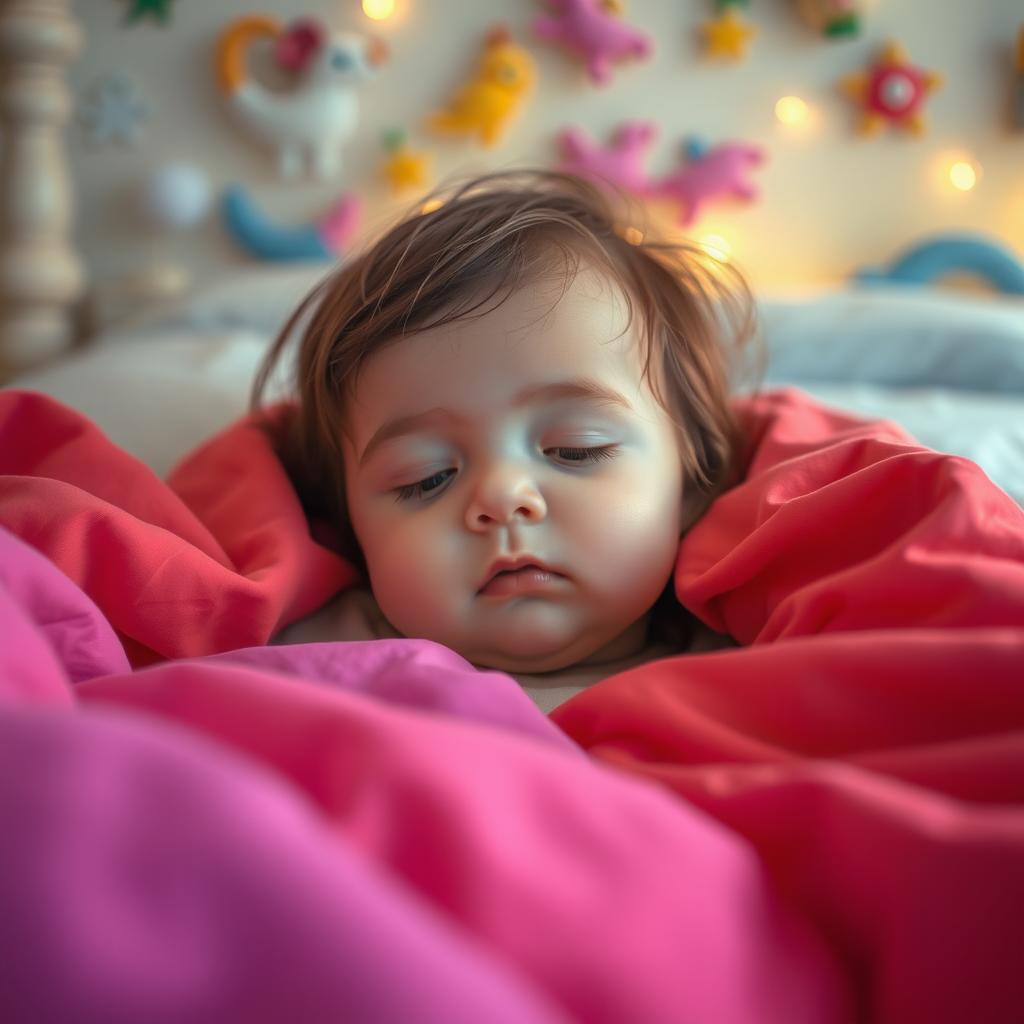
[[350, 832]]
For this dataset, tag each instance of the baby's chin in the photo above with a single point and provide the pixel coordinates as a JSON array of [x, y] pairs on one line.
[[522, 666], [532, 662]]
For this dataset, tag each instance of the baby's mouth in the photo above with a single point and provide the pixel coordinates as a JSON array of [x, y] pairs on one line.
[[527, 578]]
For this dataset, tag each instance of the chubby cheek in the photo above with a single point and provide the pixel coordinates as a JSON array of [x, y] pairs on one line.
[[413, 573], [634, 535]]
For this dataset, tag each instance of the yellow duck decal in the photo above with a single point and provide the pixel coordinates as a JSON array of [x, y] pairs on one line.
[[503, 79]]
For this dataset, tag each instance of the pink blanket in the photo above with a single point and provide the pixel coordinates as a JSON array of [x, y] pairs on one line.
[[824, 825]]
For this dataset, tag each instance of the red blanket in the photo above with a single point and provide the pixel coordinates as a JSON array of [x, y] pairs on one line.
[[867, 739]]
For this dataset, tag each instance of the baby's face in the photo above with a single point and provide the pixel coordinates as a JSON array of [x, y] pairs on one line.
[[482, 476]]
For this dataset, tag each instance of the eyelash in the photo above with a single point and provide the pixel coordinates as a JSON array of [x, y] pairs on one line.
[[588, 455]]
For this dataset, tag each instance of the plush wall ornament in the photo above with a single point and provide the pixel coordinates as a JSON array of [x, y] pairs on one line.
[[836, 19], [940, 255], [590, 30], [112, 110], [159, 10], [325, 239], [891, 91], [175, 195], [309, 123], [404, 168], [620, 163], [502, 81], [710, 175], [728, 34]]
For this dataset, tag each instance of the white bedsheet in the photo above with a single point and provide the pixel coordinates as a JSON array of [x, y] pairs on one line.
[[984, 427]]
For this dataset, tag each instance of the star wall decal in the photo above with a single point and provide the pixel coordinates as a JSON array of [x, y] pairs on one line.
[[728, 34], [159, 10], [892, 90]]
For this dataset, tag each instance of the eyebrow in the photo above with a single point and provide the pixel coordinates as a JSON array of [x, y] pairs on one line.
[[580, 389]]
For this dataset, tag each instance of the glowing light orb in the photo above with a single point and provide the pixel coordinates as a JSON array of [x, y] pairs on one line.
[[791, 110], [963, 175], [378, 10]]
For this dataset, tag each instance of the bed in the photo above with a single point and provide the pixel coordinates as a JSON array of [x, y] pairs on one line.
[[947, 366], [823, 824]]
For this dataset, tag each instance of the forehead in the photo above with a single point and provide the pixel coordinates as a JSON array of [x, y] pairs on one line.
[[544, 331]]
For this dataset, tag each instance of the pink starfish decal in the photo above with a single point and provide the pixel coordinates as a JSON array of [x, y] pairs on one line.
[[621, 162], [719, 173], [599, 38]]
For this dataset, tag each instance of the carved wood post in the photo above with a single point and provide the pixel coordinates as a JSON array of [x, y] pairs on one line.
[[40, 276]]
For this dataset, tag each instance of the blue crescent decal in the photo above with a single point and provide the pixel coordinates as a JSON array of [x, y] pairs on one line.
[[948, 254], [262, 238]]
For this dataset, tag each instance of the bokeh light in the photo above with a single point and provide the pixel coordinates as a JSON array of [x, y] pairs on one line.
[[791, 110], [963, 175], [378, 10]]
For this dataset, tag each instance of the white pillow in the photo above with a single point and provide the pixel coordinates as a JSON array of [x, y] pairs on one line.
[[897, 336], [158, 397], [984, 427], [905, 336], [258, 299]]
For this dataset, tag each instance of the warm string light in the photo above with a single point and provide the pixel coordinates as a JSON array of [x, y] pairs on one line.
[[963, 175], [379, 10], [792, 110], [956, 172]]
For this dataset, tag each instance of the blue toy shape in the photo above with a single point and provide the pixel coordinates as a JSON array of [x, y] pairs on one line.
[[265, 239], [951, 254]]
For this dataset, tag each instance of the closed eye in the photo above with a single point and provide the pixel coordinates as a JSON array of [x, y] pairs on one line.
[[574, 455]]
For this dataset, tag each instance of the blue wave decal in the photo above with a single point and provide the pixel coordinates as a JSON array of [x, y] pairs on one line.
[[952, 254]]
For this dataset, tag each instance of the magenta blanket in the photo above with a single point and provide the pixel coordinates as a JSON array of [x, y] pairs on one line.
[[824, 825]]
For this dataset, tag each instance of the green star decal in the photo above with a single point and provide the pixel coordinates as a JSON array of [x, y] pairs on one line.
[[158, 9]]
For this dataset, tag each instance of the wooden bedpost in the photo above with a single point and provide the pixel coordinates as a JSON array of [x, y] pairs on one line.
[[40, 275]]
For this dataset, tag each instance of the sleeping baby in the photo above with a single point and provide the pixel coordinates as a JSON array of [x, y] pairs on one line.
[[511, 409]]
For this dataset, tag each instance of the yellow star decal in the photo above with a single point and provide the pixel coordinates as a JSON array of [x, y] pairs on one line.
[[728, 35]]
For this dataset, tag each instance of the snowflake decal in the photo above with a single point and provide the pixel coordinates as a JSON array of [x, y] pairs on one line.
[[112, 110]]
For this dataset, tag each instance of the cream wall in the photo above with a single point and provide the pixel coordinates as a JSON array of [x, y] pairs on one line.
[[832, 201]]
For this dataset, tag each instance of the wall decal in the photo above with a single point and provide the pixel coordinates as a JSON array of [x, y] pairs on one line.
[[175, 195], [710, 175], [112, 110], [835, 19], [891, 91], [728, 35], [324, 239], [306, 125], [404, 168], [620, 163], [157, 10], [502, 81], [593, 33], [933, 258]]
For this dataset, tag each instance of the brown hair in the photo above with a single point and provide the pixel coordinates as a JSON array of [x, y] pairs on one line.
[[461, 257]]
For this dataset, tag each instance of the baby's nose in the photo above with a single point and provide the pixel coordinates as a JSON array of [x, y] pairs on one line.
[[504, 498]]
